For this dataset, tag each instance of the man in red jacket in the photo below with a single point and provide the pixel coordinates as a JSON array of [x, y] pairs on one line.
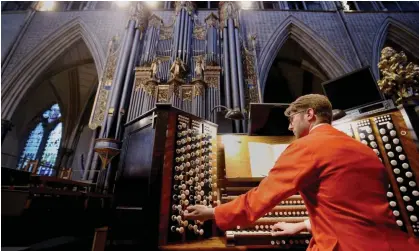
[[341, 180]]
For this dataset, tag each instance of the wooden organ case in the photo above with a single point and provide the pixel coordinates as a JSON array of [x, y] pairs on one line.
[[168, 162]]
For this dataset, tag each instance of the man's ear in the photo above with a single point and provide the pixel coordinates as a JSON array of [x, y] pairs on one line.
[[310, 114]]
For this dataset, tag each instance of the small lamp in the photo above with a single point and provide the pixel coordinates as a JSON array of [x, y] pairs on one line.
[[233, 114]]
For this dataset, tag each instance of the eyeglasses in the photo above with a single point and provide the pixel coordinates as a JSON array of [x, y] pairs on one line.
[[291, 116]]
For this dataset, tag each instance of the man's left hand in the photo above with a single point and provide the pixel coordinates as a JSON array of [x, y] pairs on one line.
[[199, 212]]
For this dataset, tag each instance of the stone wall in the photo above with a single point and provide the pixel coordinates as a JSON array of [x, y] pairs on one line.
[[11, 23]]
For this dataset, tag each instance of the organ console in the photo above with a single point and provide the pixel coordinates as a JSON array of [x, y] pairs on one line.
[[388, 135], [173, 159], [169, 163]]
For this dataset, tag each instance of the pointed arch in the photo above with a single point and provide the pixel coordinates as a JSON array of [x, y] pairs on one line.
[[400, 34], [313, 44], [42, 56]]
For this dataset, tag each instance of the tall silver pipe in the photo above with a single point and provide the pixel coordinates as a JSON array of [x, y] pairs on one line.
[[90, 154], [179, 48], [131, 102], [155, 41], [140, 96], [241, 77], [117, 84], [136, 103], [233, 70], [226, 70], [186, 38], [176, 37], [145, 102], [128, 80], [147, 45], [94, 166]]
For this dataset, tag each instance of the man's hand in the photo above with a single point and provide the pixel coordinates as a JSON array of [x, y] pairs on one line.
[[287, 228], [199, 212]]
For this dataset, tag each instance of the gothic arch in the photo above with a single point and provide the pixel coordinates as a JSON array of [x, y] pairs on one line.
[[319, 50], [400, 34], [42, 56]]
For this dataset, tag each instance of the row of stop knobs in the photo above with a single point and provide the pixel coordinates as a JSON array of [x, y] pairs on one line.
[[193, 177]]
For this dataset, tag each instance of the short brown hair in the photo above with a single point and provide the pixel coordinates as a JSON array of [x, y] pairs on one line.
[[319, 103]]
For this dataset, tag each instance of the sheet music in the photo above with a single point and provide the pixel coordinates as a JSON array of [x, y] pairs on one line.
[[277, 150], [263, 157]]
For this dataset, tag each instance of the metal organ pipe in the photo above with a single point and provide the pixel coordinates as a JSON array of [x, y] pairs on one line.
[[241, 78], [179, 48], [184, 37], [128, 80], [116, 87], [226, 71], [176, 38], [233, 68]]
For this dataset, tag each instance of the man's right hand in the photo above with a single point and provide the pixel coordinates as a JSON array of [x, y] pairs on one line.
[[284, 228]]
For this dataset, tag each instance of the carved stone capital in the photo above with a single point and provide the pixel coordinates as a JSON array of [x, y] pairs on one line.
[[189, 6], [229, 10]]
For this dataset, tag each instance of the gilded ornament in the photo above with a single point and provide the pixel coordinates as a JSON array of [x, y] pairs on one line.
[[400, 79], [228, 10], [150, 87], [199, 88], [199, 32], [139, 13], [199, 67], [163, 95], [178, 69], [187, 94], [187, 5], [105, 84], [211, 20], [212, 82], [166, 32], [155, 21]]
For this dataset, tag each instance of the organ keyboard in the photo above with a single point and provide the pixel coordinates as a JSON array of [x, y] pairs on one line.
[[290, 210], [156, 183]]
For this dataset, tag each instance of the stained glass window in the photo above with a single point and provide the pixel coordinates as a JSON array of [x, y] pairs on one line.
[[52, 114], [32, 145], [51, 150]]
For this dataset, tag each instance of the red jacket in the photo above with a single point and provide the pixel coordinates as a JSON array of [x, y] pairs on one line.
[[343, 185]]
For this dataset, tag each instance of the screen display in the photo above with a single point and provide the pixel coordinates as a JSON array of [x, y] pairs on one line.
[[268, 119], [352, 90]]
